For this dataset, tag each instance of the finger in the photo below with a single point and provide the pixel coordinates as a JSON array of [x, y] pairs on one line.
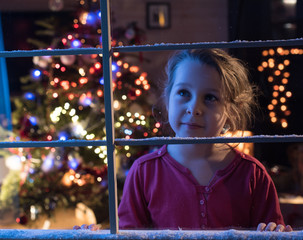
[[261, 227], [280, 228], [76, 227], [84, 226], [288, 228], [93, 227], [270, 227]]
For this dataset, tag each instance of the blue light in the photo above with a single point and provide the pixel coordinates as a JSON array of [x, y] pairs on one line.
[[76, 43], [114, 67], [102, 81], [128, 132], [91, 18], [99, 14], [36, 73], [48, 163], [73, 163], [63, 136], [33, 121], [87, 102], [29, 96]]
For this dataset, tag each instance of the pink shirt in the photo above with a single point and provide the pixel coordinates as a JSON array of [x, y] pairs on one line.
[[161, 193]]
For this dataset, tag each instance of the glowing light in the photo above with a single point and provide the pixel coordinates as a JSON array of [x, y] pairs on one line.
[[55, 95], [63, 136], [273, 119], [146, 87], [282, 99], [288, 94], [134, 69], [91, 18], [117, 124], [277, 73], [284, 123], [138, 92], [260, 68], [124, 97], [128, 132], [286, 74], [270, 79], [116, 105], [114, 67], [29, 96], [279, 50], [281, 88], [157, 125], [98, 65], [138, 122], [125, 65], [73, 163], [81, 72], [138, 82], [101, 81], [272, 114], [286, 62], [83, 80], [137, 114], [265, 53], [128, 155], [121, 118], [275, 94], [128, 114], [276, 87], [270, 107], [76, 43], [284, 80], [71, 96], [155, 130], [56, 80], [281, 66], [36, 74], [100, 93], [271, 52], [33, 121], [65, 84], [75, 118], [283, 108]]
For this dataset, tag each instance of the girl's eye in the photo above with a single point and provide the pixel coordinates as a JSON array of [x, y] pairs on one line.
[[184, 93], [211, 98]]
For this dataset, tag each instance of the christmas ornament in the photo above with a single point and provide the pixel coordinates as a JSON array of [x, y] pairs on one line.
[[56, 5], [68, 60]]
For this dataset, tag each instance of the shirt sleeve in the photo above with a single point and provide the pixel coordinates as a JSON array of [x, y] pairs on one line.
[[265, 206], [133, 212]]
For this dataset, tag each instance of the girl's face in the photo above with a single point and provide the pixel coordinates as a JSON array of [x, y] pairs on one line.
[[195, 104]]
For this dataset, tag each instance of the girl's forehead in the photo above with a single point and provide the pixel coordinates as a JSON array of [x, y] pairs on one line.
[[194, 72]]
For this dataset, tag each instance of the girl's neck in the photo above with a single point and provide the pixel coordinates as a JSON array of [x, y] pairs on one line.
[[192, 152]]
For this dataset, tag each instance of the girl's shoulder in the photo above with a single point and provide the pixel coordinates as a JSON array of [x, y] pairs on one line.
[[250, 160], [154, 155]]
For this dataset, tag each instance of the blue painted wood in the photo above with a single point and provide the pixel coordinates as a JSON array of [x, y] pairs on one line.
[[109, 115], [20, 234], [5, 106]]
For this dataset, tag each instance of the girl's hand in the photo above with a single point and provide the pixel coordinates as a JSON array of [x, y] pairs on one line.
[[274, 227], [92, 227]]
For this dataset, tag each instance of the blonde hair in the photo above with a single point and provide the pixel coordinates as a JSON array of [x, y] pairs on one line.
[[239, 93]]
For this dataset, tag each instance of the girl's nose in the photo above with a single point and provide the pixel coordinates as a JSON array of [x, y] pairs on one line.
[[195, 111]]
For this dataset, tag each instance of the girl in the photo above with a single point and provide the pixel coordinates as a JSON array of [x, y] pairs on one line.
[[202, 186]]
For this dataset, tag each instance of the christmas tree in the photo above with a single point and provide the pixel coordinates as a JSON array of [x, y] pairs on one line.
[[63, 99]]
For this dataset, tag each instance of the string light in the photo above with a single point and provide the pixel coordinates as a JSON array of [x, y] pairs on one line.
[[278, 74]]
